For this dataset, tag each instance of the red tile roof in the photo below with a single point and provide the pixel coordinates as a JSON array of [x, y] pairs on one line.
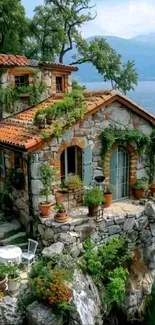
[[19, 60], [9, 60], [19, 131]]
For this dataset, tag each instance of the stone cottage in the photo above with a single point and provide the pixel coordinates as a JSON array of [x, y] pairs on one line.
[[78, 151]]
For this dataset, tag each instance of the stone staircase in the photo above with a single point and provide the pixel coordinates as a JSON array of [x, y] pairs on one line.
[[12, 233]]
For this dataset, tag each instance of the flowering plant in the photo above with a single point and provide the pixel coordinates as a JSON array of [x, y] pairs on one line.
[[51, 286]]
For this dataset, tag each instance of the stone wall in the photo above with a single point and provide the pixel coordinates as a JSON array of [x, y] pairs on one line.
[[138, 227]]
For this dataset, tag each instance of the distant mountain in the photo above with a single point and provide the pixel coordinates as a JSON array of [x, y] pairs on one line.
[[141, 49]]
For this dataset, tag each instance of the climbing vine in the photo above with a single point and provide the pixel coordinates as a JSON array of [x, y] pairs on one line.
[[150, 153], [10, 95], [136, 138]]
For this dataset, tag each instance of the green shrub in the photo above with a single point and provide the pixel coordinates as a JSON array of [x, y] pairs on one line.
[[141, 184], [116, 286], [73, 183], [93, 197], [106, 264]]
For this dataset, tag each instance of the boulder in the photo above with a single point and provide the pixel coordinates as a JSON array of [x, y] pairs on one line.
[[150, 210], [54, 249], [39, 314], [85, 300], [10, 313]]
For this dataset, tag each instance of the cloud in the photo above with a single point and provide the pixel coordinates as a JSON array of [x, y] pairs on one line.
[[124, 19]]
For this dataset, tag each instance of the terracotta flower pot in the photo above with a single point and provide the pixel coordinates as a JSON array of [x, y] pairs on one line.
[[3, 281], [139, 193], [61, 217], [108, 199], [45, 209], [152, 189], [92, 211]]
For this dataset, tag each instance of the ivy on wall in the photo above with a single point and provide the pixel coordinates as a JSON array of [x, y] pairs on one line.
[[150, 153], [136, 138], [9, 95]]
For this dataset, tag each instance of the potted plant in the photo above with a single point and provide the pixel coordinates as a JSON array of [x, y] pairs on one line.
[[61, 214], [152, 187], [73, 183], [16, 178], [50, 115], [39, 119], [93, 198], [140, 186], [13, 278], [3, 277], [108, 195], [47, 176]]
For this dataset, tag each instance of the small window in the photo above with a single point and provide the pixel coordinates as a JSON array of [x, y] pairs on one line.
[[69, 162], [2, 164], [59, 84], [21, 81], [18, 162]]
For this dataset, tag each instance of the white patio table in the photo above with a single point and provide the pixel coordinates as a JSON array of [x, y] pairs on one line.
[[10, 253]]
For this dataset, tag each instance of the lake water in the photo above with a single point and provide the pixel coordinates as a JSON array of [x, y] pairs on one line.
[[144, 93]]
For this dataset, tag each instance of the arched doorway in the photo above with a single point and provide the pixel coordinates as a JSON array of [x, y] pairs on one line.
[[71, 162], [119, 172]]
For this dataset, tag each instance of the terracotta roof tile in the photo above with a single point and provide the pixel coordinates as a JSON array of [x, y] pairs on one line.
[[18, 130], [10, 60], [19, 60]]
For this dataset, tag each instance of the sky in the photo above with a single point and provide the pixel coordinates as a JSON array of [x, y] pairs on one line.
[[122, 18]]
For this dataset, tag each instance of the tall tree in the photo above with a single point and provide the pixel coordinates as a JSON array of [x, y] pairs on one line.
[[45, 33], [108, 63], [71, 15], [13, 26]]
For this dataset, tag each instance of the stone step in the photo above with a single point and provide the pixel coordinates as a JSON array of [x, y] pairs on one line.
[[8, 240], [6, 227]]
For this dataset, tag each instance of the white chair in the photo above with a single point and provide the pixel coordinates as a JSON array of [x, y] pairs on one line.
[[29, 256]]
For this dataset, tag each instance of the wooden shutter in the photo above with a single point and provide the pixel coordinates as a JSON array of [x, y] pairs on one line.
[[87, 165]]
